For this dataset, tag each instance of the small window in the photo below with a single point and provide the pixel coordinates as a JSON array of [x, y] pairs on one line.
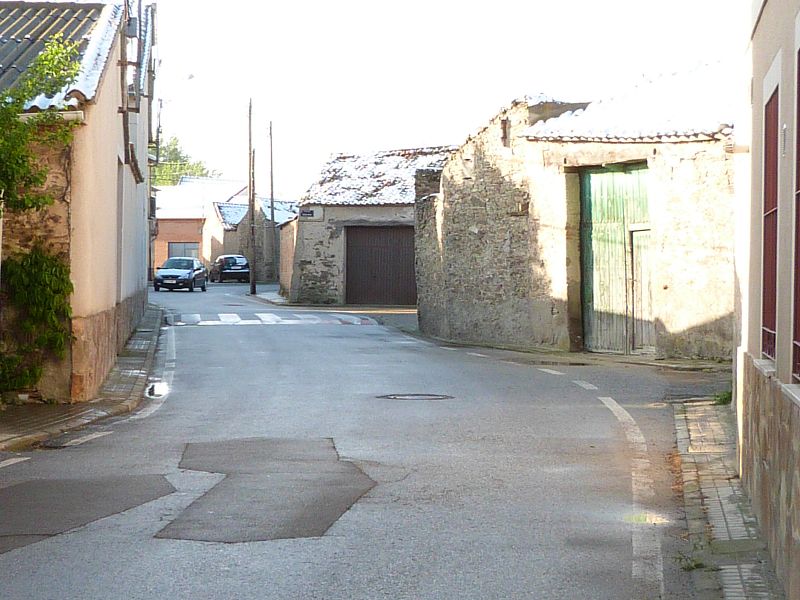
[[183, 249], [505, 132]]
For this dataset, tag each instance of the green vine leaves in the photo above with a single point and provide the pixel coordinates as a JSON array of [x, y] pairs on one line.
[[21, 174], [36, 284]]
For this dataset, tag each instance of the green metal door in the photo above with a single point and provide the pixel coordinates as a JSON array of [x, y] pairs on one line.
[[613, 205]]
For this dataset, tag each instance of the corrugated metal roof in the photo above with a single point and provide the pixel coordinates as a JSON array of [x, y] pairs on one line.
[[379, 178], [693, 105], [25, 27]]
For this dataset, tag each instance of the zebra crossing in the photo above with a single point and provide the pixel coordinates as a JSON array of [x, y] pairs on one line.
[[218, 319]]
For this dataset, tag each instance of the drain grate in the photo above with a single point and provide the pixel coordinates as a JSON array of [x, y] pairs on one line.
[[415, 397]]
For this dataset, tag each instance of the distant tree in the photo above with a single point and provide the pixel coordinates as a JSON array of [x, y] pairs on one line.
[[174, 163]]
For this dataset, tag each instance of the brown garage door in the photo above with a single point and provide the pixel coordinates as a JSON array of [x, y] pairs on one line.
[[380, 265]]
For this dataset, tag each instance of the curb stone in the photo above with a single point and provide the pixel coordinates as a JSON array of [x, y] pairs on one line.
[[112, 401], [728, 555]]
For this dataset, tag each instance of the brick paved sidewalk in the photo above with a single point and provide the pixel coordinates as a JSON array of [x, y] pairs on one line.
[[123, 390], [729, 558]]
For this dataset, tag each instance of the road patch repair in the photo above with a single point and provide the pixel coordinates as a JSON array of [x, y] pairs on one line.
[[39, 509], [274, 488]]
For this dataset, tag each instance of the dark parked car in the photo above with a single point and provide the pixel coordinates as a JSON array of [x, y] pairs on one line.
[[181, 272], [230, 266]]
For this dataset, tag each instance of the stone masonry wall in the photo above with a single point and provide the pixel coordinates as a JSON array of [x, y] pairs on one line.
[[320, 251], [97, 341], [482, 273], [262, 257], [692, 203], [770, 459], [498, 251], [429, 257], [49, 227], [288, 238]]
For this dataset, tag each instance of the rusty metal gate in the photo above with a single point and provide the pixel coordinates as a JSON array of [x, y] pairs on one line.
[[380, 265], [615, 260]]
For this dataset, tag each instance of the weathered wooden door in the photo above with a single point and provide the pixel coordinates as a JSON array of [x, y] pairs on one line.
[[614, 260], [380, 266], [643, 336]]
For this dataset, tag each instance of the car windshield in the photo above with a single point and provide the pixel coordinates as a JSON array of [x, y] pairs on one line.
[[177, 263]]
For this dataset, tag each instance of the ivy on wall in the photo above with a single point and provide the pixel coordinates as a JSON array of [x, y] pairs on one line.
[[38, 286]]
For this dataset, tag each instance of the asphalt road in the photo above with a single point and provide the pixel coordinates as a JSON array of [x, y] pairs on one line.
[[293, 453]]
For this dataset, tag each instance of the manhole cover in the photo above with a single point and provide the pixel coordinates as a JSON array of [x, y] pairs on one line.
[[416, 397]]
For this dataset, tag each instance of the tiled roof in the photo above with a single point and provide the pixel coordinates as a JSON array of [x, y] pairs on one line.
[[375, 179], [693, 105], [230, 214], [25, 27], [284, 211]]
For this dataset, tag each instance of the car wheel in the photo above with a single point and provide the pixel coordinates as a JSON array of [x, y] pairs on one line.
[[191, 285], [204, 286], [156, 287]]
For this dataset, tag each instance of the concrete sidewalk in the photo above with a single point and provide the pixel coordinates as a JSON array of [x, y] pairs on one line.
[[24, 425], [728, 557]]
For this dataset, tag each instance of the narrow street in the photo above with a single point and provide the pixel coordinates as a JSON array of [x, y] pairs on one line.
[[301, 453]]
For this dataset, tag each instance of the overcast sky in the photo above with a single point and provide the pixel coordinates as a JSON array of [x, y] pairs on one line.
[[355, 76]]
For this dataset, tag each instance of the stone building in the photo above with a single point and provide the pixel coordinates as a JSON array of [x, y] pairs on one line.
[[588, 227], [354, 238], [99, 221], [266, 256], [768, 361]]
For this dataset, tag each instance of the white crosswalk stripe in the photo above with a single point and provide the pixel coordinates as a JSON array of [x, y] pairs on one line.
[[268, 318], [190, 319]]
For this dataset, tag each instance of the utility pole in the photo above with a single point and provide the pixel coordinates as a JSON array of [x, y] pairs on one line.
[[275, 266], [251, 198]]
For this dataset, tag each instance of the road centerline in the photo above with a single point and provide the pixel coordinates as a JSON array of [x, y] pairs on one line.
[[648, 562], [13, 461]]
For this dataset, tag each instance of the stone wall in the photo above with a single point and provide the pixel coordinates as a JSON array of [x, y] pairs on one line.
[[692, 204], [97, 340], [482, 275], [288, 238], [770, 459], [319, 260], [49, 227], [498, 253], [262, 257]]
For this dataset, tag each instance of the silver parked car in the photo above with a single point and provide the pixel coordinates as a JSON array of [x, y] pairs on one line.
[[181, 272]]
